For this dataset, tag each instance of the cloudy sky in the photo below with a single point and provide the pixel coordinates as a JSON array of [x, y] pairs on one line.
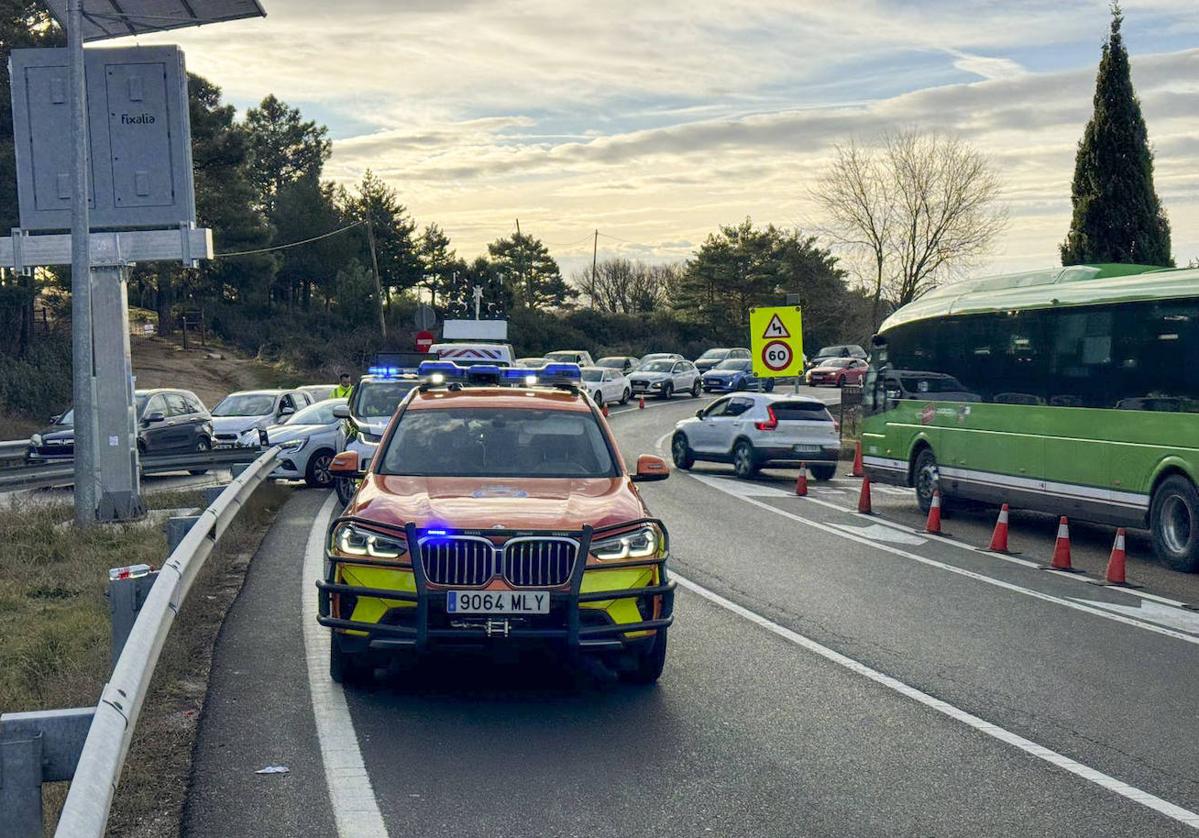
[[655, 121]]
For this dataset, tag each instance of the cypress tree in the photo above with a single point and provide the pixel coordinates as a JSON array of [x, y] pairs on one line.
[[1117, 214]]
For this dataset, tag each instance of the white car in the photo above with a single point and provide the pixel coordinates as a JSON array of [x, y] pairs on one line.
[[238, 418], [570, 356], [371, 405], [753, 430], [665, 378], [607, 386], [309, 438]]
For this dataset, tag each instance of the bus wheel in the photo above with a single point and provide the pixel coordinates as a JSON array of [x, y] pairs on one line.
[[1174, 522], [924, 478]]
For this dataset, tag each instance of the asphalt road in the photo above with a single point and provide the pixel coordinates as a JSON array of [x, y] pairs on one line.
[[828, 675]]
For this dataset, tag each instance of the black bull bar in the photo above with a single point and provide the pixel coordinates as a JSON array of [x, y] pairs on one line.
[[420, 635]]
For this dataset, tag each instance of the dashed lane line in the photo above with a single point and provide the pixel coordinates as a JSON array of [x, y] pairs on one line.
[[1091, 775], [355, 809]]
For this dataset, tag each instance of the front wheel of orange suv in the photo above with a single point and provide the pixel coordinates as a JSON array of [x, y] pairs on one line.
[[348, 668], [648, 662]]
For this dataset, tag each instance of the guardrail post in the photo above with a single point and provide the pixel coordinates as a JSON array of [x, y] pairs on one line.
[[38, 747], [127, 590], [21, 784], [176, 527]]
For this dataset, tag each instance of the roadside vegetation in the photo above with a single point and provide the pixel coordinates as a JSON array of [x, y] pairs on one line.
[[55, 621]]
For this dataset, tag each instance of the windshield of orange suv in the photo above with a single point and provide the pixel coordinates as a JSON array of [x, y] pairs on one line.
[[493, 442]]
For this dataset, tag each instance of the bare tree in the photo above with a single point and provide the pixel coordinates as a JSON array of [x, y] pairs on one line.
[[855, 194], [917, 209], [625, 287]]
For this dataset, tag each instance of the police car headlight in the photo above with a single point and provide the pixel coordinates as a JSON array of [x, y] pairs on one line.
[[351, 540], [642, 543]]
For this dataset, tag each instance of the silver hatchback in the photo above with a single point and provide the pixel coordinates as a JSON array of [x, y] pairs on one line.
[[753, 430]]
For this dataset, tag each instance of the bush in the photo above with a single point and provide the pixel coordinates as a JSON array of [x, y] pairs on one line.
[[38, 383]]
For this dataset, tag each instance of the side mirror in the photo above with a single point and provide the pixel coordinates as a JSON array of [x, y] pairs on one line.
[[286, 410], [345, 464], [650, 469], [699, 414], [156, 416], [54, 419], [341, 411]]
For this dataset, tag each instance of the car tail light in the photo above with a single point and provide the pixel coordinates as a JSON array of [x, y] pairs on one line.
[[836, 426], [771, 422]]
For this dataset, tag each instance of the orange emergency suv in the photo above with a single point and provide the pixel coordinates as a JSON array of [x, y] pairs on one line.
[[497, 515]]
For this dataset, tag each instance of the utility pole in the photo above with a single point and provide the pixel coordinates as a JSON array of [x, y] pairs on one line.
[[524, 280], [82, 384], [594, 260], [370, 240]]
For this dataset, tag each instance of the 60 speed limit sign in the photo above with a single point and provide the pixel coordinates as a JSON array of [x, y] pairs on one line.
[[776, 341], [776, 356]]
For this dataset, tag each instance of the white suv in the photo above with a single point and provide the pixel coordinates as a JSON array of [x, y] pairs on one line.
[[752, 430], [665, 378], [606, 386]]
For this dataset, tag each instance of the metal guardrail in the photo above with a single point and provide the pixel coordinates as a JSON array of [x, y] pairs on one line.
[[42, 475], [95, 775], [13, 450]]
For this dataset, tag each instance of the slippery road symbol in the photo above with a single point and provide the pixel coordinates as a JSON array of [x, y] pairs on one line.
[[776, 329]]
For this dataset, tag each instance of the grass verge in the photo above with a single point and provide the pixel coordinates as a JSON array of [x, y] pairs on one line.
[[54, 618]]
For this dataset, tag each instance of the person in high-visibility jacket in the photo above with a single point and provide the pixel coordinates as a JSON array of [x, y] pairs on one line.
[[343, 388]]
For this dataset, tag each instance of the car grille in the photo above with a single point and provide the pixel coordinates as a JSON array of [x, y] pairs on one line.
[[458, 560], [523, 562], [230, 437], [539, 561], [637, 382]]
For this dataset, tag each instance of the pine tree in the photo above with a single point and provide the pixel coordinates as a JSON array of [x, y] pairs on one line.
[[1117, 214]]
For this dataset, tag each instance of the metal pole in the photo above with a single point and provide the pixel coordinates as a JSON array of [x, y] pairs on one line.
[[370, 240], [81, 284]]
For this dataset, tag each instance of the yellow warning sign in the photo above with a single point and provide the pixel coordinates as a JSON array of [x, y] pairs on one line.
[[776, 341]]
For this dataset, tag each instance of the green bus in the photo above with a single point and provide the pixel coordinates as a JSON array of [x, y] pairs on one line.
[[1073, 391]]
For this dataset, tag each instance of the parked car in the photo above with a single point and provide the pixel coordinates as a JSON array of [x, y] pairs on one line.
[[843, 350], [753, 430], [665, 378], [713, 357], [735, 374], [311, 438], [607, 386], [659, 356], [625, 363], [169, 421], [318, 392], [838, 372], [238, 418], [571, 356], [529, 363]]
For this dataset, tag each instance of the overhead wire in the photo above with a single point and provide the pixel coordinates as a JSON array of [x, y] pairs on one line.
[[272, 248]]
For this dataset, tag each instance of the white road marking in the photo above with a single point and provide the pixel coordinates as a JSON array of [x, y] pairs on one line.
[[1173, 617], [1164, 807], [961, 571], [742, 488], [355, 809], [876, 532]]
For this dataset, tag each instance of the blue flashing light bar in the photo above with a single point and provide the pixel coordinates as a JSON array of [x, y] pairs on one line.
[[390, 372], [551, 375]]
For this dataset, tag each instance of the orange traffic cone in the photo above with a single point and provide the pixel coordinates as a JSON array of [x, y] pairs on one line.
[[641, 403], [1115, 564], [933, 525], [864, 498], [999, 536], [1061, 548], [857, 460], [801, 482]]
